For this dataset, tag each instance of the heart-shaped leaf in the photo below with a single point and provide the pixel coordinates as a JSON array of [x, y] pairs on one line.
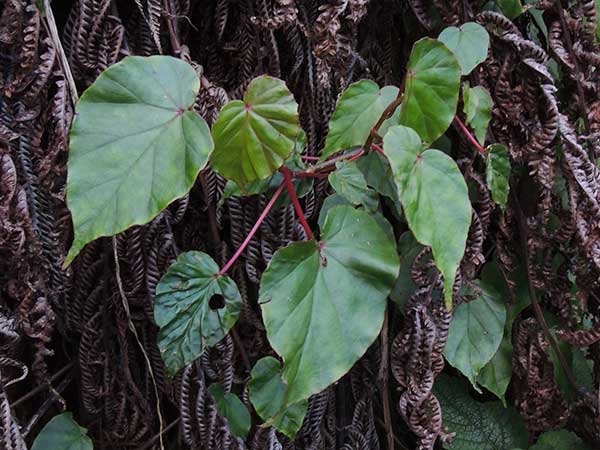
[[357, 111], [195, 308], [478, 109], [476, 332], [231, 408], [497, 173], [313, 295], [135, 146], [349, 182], [268, 392], [434, 197], [63, 433], [431, 92], [254, 136], [469, 43]]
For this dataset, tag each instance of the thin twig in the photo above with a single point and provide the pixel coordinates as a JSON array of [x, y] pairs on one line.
[[171, 25], [54, 393], [62, 57], [384, 377], [327, 166], [287, 177], [254, 229], [133, 330], [153, 439], [41, 387]]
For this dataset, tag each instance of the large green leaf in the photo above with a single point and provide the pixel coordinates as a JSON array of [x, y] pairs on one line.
[[63, 433], [314, 295], [496, 374], [254, 136], [231, 407], [469, 43], [194, 308], [135, 146], [559, 440], [478, 109], [268, 393], [478, 426], [476, 332], [497, 173], [349, 182], [431, 92], [434, 197], [357, 111]]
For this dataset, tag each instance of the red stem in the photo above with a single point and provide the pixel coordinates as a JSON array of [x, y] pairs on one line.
[[254, 229], [378, 149], [287, 179], [469, 136], [310, 158]]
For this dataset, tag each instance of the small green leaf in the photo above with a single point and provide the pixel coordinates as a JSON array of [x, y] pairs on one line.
[[63, 433], [231, 408], [431, 92], [497, 173], [559, 440], [478, 106], [195, 308], [255, 136], [434, 197], [313, 295], [511, 8], [476, 332], [135, 146], [349, 182], [478, 426], [357, 111], [267, 393], [378, 174], [469, 43], [328, 203]]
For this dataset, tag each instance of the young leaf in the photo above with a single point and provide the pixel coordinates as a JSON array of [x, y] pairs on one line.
[[497, 173], [135, 146], [313, 295], [431, 92], [194, 308], [477, 425], [63, 433], [231, 408], [434, 197], [349, 182], [476, 332], [267, 394], [478, 109], [469, 43], [255, 136], [357, 111]]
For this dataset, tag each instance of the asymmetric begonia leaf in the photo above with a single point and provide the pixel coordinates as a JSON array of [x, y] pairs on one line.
[[254, 136], [476, 332], [478, 109], [136, 145], [233, 409], [357, 111], [431, 92], [314, 294], [469, 43], [477, 425], [268, 392], [497, 173], [63, 433], [194, 308], [434, 197]]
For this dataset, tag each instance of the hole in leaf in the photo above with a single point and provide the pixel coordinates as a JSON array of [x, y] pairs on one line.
[[217, 301]]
